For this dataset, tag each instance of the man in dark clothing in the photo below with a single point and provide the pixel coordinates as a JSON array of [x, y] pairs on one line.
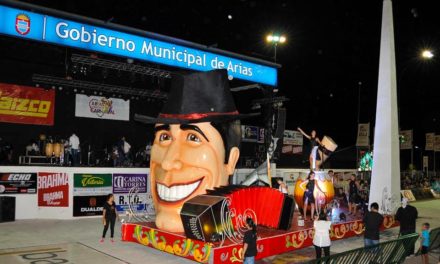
[[372, 220], [407, 215]]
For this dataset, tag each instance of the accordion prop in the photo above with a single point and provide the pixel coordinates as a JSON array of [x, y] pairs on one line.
[[202, 215]]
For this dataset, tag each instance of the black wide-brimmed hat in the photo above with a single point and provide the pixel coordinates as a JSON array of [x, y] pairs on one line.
[[197, 97]]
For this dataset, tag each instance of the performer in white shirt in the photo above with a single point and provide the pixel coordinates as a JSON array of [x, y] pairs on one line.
[[282, 186], [74, 149]]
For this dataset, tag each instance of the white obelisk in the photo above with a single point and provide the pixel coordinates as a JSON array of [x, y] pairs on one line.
[[385, 178]]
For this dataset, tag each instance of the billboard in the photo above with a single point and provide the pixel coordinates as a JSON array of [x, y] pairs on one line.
[[88, 205], [16, 182], [122, 183], [91, 184], [102, 108], [26, 105], [48, 29], [53, 189]]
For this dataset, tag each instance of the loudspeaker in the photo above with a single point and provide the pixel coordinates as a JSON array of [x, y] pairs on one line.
[[281, 123], [201, 217], [7, 209]]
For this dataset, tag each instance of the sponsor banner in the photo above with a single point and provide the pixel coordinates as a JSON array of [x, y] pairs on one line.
[[430, 140], [425, 161], [53, 189], [290, 149], [102, 108], [408, 195], [26, 105], [437, 143], [292, 137], [89, 184], [15, 182], [261, 136], [138, 201], [88, 205], [406, 139], [249, 133], [48, 29], [363, 136], [122, 183]]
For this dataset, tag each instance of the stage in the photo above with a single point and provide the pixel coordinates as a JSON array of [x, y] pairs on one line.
[[270, 242]]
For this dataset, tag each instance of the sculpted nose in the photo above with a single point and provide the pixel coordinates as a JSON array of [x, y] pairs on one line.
[[171, 160]]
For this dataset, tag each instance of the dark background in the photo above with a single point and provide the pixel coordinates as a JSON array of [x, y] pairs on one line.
[[331, 47]]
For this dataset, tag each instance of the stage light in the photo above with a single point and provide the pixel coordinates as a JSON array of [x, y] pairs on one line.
[[276, 38], [229, 17], [60, 88], [282, 39], [75, 90], [427, 54], [37, 85], [269, 38]]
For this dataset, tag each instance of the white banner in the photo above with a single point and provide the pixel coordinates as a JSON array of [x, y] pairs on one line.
[[102, 108], [430, 138], [437, 143], [363, 136], [292, 137], [407, 139]]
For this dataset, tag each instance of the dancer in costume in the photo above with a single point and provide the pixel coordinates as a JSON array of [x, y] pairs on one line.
[[308, 186], [314, 145]]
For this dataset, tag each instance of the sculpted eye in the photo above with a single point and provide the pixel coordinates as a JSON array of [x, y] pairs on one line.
[[164, 137], [192, 137]]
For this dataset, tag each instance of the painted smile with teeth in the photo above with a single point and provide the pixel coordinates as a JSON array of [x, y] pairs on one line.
[[177, 192]]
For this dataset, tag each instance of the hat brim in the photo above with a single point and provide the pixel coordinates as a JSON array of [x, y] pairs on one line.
[[217, 118]]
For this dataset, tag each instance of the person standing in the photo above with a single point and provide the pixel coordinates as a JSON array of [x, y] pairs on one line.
[[372, 221], [250, 242], [321, 239], [282, 187], [74, 148], [308, 186], [407, 215], [314, 153], [109, 216], [424, 243], [353, 195]]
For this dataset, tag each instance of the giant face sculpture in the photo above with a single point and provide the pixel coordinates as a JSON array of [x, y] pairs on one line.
[[197, 135], [186, 160]]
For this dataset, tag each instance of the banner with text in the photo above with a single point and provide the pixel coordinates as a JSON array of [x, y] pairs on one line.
[[292, 137], [363, 136], [18, 183], [53, 189], [91, 184], [88, 205], [406, 139], [249, 133], [79, 34], [138, 202], [430, 139], [26, 105], [437, 143], [102, 108], [122, 183]]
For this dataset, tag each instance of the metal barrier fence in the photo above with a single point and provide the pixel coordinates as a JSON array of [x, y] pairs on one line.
[[389, 252]]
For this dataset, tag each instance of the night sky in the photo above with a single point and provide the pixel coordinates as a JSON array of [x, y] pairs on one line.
[[332, 46]]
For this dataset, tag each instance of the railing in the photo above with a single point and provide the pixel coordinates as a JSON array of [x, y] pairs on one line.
[[389, 252]]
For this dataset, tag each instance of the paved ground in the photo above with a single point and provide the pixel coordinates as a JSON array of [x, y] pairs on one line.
[[77, 241]]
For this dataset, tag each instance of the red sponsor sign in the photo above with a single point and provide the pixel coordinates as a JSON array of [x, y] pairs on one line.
[[26, 105], [53, 189]]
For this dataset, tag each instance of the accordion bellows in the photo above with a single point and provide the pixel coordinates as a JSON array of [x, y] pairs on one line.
[[201, 214]]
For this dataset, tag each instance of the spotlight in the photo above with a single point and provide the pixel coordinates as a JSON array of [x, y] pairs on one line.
[[53, 87], [37, 85], [230, 17], [75, 90], [60, 88]]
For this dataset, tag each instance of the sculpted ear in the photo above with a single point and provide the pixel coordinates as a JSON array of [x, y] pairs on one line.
[[234, 154]]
